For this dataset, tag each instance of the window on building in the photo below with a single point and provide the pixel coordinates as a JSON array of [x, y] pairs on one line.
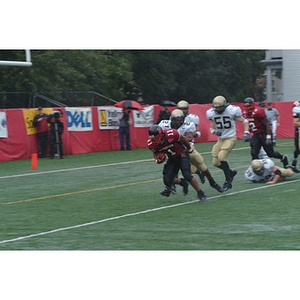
[[276, 84]]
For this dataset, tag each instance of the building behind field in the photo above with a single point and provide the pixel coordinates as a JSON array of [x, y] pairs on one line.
[[282, 71]]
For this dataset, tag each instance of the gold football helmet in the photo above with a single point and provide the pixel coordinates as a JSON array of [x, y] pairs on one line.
[[257, 166], [184, 106], [177, 118], [219, 104]]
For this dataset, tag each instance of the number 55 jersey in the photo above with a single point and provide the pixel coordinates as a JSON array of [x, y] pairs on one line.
[[225, 121]]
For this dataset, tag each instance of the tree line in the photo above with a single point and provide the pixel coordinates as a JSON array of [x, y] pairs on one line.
[[145, 75]]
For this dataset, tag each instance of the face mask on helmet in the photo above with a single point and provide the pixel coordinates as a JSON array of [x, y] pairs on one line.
[[249, 104], [219, 104], [183, 106], [257, 166], [156, 135], [177, 118]]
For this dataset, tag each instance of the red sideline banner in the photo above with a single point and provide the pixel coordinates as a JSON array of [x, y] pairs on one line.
[[89, 130]]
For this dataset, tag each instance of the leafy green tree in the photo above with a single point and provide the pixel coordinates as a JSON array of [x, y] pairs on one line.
[[195, 75], [59, 72]]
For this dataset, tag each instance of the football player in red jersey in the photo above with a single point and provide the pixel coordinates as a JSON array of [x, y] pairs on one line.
[[261, 132], [176, 147]]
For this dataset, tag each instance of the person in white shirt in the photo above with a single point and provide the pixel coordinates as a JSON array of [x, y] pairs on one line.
[[223, 117], [184, 106], [273, 117]]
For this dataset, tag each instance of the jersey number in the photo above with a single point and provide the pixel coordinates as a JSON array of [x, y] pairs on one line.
[[223, 122]]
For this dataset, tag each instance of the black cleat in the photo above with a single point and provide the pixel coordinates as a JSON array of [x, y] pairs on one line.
[[184, 185], [284, 160], [201, 196], [233, 173], [217, 187], [166, 192], [201, 176], [228, 183], [294, 169], [173, 189]]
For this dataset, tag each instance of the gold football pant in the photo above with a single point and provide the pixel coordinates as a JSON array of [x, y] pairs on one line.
[[221, 150]]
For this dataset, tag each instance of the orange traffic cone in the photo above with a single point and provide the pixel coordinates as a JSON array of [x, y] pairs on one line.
[[34, 160]]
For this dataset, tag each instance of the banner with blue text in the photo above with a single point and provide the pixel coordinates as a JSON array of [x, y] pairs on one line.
[[79, 118]]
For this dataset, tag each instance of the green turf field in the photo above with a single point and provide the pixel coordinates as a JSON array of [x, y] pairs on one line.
[[110, 201]]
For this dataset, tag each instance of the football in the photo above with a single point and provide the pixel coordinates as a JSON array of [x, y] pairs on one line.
[[160, 157]]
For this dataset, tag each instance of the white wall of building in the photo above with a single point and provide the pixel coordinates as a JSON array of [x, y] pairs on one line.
[[291, 75]]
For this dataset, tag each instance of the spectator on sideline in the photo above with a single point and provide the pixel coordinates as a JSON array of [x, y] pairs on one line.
[[164, 114], [124, 130], [41, 125], [273, 117], [56, 131]]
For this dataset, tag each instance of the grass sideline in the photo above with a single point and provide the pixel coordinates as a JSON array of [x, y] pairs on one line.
[[110, 201]]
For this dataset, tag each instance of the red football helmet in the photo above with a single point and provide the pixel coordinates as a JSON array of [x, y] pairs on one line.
[[249, 104], [156, 135]]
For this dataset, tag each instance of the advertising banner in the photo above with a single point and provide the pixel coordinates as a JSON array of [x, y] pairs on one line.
[[79, 118], [144, 118], [29, 115], [3, 125], [109, 117]]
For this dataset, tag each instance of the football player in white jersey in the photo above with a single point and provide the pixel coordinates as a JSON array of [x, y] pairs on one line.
[[223, 117], [265, 171], [188, 129], [184, 106], [296, 124]]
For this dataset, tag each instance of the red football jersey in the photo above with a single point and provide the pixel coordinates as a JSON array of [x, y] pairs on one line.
[[255, 119], [171, 145]]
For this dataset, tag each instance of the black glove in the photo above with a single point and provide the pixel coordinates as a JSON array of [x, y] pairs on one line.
[[218, 132], [246, 136]]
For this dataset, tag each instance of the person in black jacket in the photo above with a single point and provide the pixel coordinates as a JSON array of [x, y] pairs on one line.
[[164, 114], [56, 131], [41, 125]]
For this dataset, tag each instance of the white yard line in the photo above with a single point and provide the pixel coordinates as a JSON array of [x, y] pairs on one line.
[[141, 212], [92, 167], [75, 169]]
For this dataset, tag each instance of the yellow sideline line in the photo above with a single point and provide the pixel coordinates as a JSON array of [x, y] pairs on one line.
[[79, 192]]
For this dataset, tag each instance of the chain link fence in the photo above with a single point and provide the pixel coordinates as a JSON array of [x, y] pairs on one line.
[[53, 99]]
